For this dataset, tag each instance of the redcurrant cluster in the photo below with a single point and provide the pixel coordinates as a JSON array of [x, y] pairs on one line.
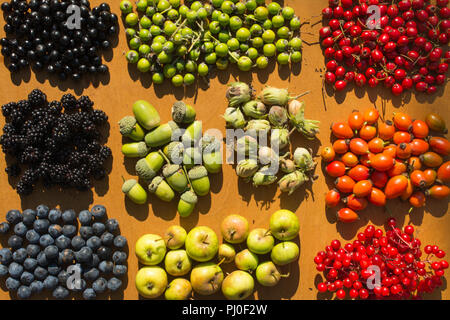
[[404, 49], [403, 272]]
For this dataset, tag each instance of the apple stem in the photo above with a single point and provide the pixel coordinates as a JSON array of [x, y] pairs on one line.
[[221, 261]]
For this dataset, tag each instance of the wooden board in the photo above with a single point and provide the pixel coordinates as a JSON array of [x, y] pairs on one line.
[[116, 93]]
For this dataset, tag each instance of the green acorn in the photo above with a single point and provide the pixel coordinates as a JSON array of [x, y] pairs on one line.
[[193, 132], [134, 191], [148, 167], [161, 189], [161, 135], [129, 127], [135, 149], [183, 113], [187, 203], [191, 157], [146, 114], [175, 177], [212, 155], [198, 177], [174, 151]]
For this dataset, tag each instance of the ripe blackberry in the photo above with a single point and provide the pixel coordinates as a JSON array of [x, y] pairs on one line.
[[55, 107], [24, 189], [98, 117], [85, 103], [6, 108], [30, 155], [104, 153], [24, 107], [69, 102], [37, 98]]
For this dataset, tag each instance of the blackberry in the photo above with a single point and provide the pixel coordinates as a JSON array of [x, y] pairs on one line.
[[104, 153], [6, 108], [98, 117], [37, 98], [24, 107], [55, 107], [85, 103], [69, 102], [24, 189]]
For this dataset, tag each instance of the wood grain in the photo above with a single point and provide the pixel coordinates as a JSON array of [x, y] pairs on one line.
[[115, 94]]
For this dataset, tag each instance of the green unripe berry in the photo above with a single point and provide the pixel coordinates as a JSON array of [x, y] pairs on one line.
[[163, 5], [150, 11], [126, 6], [277, 21], [214, 27], [172, 14], [161, 39], [190, 66], [268, 36], [217, 3], [157, 19], [189, 79], [233, 44], [243, 34], [287, 13], [181, 51], [294, 24], [202, 69], [164, 57], [202, 13], [180, 65], [281, 45], [227, 7], [224, 37], [244, 47], [267, 25], [169, 71], [169, 28], [273, 8], [156, 47], [223, 19], [155, 31], [145, 35], [283, 58], [183, 10], [250, 5], [257, 42], [252, 53], [158, 78], [191, 16], [296, 43], [130, 32], [175, 3], [177, 80], [196, 5], [235, 23], [221, 50], [132, 56], [208, 47], [222, 63], [262, 62], [283, 33], [134, 43], [269, 49], [261, 13], [131, 19], [296, 56], [144, 49], [244, 63], [143, 65], [141, 5], [239, 8], [211, 58], [256, 30], [145, 22]]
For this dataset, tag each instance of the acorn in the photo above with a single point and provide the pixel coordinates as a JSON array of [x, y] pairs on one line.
[[134, 191], [212, 155], [129, 127], [193, 132], [161, 189], [192, 156], [174, 151], [175, 177], [183, 113], [135, 149], [187, 203], [148, 167], [198, 177], [146, 114], [161, 135]]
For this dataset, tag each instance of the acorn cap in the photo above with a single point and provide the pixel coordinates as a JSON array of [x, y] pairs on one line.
[[155, 183], [189, 197], [170, 169], [127, 124], [210, 144], [128, 185], [175, 147], [143, 170], [197, 172]]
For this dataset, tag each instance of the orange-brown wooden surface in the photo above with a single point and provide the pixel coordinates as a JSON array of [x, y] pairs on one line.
[[115, 95]]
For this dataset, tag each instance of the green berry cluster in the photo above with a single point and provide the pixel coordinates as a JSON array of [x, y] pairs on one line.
[[181, 41], [168, 167]]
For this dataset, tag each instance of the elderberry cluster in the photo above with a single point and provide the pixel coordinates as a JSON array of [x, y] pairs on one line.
[[45, 35], [58, 142], [47, 249]]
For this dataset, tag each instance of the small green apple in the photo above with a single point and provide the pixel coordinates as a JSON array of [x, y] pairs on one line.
[[177, 263], [285, 252], [151, 281], [284, 225], [174, 237], [150, 249], [206, 278], [260, 241], [226, 253], [178, 289], [267, 274], [246, 260], [238, 285], [202, 244], [234, 228]]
